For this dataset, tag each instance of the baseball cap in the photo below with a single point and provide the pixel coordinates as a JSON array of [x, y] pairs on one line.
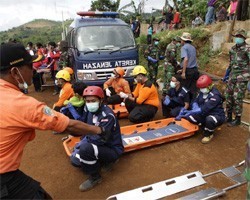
[[14, 54]]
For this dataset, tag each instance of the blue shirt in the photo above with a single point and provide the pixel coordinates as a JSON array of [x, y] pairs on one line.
[[188, 51]]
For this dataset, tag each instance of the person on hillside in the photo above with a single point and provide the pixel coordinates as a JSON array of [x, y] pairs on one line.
[[176, 19], [222, 13], [30, 48], [197, 21], [94, 151], [114, 85], [176, 99], [168, 17], [143, 103], [137, 29], [232, 9], [150, 33], [239, 75], [170, 64], [207, 108], [63, 81], [189, 68], [21, 119], [210, 16], [153, 55], [73, 107]]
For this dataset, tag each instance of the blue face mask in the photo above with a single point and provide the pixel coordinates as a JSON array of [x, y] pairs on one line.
[[156, 43], [239, 40], [92, 107]]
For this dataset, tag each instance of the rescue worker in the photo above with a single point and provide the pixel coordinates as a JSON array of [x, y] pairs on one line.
[[153, 55], [207, 108], [114, 85], [22, 115], [143, 103], [63, 81], [170, 64], [239, 74], [71, 72], [96, 150], [178, 97], [74, 106], [189, 68]]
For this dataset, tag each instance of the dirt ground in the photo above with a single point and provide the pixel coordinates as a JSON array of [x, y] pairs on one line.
[[45, 160]]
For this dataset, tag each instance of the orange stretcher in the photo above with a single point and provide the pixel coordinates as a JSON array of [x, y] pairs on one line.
[[147, 134], [120, 111]]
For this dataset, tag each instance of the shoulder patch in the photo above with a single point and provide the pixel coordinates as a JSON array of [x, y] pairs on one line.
[[48, 111]]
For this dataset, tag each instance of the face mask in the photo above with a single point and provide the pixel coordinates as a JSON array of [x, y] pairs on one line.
[[56, 82], [92, 107], [172, 84], [113, 75], [239, 40], [24, 85], [156, 43], [135, 80], [204, 90], [178, 44]]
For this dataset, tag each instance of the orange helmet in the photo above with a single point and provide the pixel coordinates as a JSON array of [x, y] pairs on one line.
[[120, 71], [69, 69], [93, 91], [203, 81]]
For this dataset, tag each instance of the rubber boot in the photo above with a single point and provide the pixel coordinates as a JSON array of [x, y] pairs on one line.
[[235, 122], [229, 117]]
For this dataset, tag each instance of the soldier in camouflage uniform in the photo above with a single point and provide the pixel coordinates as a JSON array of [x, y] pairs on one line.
[[64, 58], [170, 64], [153, 55], [239, 68]]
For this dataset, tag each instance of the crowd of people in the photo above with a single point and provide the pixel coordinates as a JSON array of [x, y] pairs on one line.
[[83, 110]]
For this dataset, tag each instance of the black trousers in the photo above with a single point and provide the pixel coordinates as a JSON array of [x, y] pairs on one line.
[[192, 76], [17, 185], [37, 80], [139, 113]]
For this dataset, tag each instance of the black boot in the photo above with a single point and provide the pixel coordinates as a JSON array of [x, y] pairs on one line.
[[229, 117], [235, 122]]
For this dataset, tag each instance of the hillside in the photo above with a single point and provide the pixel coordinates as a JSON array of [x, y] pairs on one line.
[[39, 30]]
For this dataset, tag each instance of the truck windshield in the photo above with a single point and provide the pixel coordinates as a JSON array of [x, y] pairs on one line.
[[94, 38]]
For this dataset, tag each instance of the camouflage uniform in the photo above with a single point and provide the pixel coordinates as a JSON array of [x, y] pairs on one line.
[[239, 76], [154, 52], [169, 65]]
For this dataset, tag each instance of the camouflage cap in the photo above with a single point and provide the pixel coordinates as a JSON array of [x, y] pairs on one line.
[[177, 38], [240, 32]]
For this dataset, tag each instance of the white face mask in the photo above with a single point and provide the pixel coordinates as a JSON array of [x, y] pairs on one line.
[[135, 81], [172, 84], [92, 107], [113, 75], [56, 82], [204, 90], [24, 85]]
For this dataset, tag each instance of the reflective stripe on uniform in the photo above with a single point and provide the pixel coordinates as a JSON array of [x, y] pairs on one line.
[[215, 120], [87, 161], [192, 118]]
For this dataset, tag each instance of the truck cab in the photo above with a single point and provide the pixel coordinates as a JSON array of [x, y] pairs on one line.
[[99, 42]]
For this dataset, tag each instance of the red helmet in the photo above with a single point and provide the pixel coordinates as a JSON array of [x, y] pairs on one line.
[[203, 81], [120, 71], [93, 91]]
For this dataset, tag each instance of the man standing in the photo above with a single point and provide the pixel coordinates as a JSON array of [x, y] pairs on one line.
[[137, 27], [170, 64], [189, 71], [210, 16], [239, 68], [20, 116]]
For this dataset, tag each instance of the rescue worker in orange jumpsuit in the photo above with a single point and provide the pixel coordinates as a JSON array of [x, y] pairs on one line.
[[115, 85]]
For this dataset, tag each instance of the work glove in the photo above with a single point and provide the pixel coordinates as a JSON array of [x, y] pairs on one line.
[[108, 92], [181, 114], [196, 108], [152, 60], [122, 104], [226, 76], [166, 101], [123, 95], [161, 57]]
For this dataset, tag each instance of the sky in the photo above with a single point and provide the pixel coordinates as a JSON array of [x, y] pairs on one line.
[[14, 13]]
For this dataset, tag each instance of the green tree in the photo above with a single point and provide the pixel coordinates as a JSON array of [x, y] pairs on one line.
[[105, 5]]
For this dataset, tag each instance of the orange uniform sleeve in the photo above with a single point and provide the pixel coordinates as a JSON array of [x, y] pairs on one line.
[[126, 87], [136, 90], [108, 83], [144, 93], [65, 94]]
